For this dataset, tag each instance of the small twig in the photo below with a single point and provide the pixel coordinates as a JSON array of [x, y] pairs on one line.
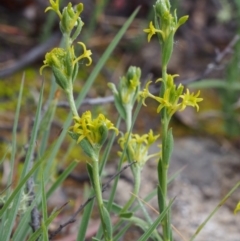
[[82, 206], [90, 101], [213, 65], [30, 56]]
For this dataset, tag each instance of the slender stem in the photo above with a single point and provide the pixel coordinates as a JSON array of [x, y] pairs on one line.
[[97, 186], [165, 164], [137, 182], [71, 101], [98, 193], [128, 109]]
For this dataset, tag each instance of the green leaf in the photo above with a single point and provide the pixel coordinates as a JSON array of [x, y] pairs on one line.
[[151, 229], [214, 83], [107, 222], [96, 239], [85, 219], [119, 106], [60, 77], [167, 49], [36, 234], [84, 144], [44, 129], [182, 20], [121, 232], [15, 197], [237, 208], [90, 173], [126, 215], [44, 232], [75, 72], [160, 169], [168, 147], [103, 131], [44, 207], [160, 198], [61, 178]]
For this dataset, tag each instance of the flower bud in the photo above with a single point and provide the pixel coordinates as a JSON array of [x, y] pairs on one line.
[[70, 18], [57, 59], [162, 8]]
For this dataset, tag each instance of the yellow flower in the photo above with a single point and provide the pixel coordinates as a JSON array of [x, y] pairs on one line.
[[151, 31], [145, 93], [189, 99], [138, 146], [94, 130], [54, 58], [55, 7], [86, 54], [170, 98]]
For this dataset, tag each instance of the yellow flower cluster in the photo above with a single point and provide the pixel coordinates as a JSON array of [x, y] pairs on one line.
[[58, 57], [151, 31], [138, 146], [91, 129], [165, 32], [171, 97]]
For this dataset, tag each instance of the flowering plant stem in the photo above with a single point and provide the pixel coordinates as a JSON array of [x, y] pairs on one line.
[[98, 192], [163, 176], [137, 181], [71, 101]]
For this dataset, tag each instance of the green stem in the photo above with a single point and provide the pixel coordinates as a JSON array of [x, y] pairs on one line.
[[137, 180], [128, 109], [164, 175], [71, 101], [98, 193]]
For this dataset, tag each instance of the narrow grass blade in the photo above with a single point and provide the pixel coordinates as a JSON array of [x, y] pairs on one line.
[[85, 219], [214, 211], [44, 207], [20, 185], [44, 130], [114, 188], [23, 228], [61, 178], [44, 232], [35, 235], [108, 149], [151, 229], [214, 83], [4, 156], [105, 57], [23, 181], [15, 197], [122, 232], [14, 132]]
